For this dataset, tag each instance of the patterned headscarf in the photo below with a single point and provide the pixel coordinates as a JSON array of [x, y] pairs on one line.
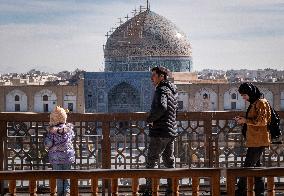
[[251, 90], [58, 116]]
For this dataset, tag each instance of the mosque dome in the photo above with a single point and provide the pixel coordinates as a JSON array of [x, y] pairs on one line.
[[147, 40]]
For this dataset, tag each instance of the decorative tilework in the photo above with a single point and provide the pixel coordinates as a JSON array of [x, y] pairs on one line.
[[145, 41], [122, 92], [101, 83]]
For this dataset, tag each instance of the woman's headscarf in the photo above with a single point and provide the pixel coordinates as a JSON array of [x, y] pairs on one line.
[[251, 90], [254, 94]]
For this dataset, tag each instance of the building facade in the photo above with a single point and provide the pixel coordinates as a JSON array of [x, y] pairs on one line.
[[225, 97], [42, 98]]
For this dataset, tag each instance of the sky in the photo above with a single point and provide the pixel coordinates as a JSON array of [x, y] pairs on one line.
[[57, 35]]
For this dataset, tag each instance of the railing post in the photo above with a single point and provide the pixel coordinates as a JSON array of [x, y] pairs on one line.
[[95, 186], [231, 180], [270, 186], [215, 186], [208, 141], [32, 187], [250, 182], [3, 129], [114, 186], [135, 186], [175, 187], [106, 155], [52, 184], [106, 146], [74, 187], [12, 187], [155, 186], [195, 186]]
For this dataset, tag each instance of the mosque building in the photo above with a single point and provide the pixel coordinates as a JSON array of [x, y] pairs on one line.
[[144, 41]]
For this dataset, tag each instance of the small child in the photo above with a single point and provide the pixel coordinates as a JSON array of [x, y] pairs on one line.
[[60, 147]]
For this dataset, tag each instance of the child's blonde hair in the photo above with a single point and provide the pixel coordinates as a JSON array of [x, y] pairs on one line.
[[59, 115]]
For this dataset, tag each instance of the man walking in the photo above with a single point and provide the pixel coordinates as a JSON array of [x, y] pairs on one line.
[[162, 124]]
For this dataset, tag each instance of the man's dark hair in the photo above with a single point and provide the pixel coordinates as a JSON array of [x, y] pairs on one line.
[[162, 71]]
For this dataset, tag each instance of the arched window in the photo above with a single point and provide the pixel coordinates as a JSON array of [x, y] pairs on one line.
[[17, 98], [45, 98], [234, 96]]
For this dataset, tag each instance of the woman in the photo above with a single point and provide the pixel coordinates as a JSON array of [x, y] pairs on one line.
[[256, 132]]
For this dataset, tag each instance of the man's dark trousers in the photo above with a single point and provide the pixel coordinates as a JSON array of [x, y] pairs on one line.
[[160, 147]]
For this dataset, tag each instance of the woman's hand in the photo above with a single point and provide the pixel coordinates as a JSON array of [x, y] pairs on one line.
[[240, 120]]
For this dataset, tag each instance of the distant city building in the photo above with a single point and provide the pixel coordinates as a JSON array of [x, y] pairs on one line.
[[107, 95], [266, 75], [34, 77], [42, 98], [224, 96]]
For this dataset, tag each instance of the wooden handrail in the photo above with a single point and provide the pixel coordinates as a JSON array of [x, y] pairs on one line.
[[108, 173], [270, 173], [74, 175], [106, 117], [155, 174]]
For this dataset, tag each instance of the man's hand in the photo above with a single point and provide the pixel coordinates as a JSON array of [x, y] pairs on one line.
[[150, 124]]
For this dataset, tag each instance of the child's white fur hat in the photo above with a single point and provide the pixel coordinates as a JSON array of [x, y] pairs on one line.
[[59, 115]]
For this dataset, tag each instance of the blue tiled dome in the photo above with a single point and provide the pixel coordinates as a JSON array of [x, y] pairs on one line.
[[147, 40]]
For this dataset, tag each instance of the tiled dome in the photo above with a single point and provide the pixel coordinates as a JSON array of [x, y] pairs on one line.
[[146, 35]]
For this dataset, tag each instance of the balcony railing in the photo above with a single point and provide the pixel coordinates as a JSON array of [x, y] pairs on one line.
[[114, 175], [250, 173], [119, 141]]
